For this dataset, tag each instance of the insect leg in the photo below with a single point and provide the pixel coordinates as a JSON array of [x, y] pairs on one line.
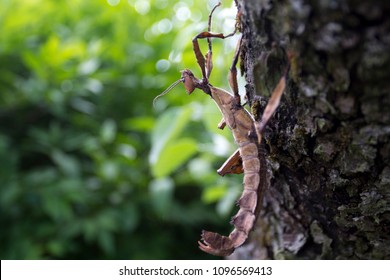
[[233, 73], [205, 62], [233, 165], [273, 103], [209, 60]]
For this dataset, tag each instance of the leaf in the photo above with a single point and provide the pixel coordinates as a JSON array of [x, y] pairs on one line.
[[109, 170], [161, 191], [68, 164], [106, 241], [56, 247], [89, 66], [55, 206], [226, 204], [141, 124], [211, 117], [214, 193], [174, 155], [168, 127], [108, 131], [131, 212]]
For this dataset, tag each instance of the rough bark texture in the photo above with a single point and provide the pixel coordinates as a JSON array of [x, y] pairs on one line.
[[328, 144]]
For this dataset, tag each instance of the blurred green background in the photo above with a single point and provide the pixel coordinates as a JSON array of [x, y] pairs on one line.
[[88, 168]]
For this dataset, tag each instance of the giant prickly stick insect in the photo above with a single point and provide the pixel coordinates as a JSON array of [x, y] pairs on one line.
[[247, 133]]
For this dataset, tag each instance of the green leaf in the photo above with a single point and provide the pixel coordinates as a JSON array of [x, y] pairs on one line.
[[106, 241], [142, 124], [173, 155], [161, 192], [225, 205], [109, 170], [131, 212], [56, 207], [211, 117], [108, 131], [214, 193], [68, 164], [56, 247], [168, 127]]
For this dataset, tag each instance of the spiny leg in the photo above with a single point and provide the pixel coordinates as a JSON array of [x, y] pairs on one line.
[[209, 60], [233, 73], [273, 103], [233, 80], [205, 62], [233, 165]]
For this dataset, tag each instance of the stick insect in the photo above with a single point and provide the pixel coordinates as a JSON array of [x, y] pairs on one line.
[[247, 132]]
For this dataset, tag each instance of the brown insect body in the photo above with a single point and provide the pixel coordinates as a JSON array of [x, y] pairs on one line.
[[242, 125], [247, 132]]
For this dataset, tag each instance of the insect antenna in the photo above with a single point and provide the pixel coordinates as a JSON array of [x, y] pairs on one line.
[[167, 90]]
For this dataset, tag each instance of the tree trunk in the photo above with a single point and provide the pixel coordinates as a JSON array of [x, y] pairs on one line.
[[328, 143]]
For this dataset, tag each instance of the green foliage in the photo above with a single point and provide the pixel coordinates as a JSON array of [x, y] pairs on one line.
[[168, 152], [88, 169]]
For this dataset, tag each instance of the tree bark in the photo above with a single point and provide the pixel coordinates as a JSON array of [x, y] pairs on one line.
[[328, 143]]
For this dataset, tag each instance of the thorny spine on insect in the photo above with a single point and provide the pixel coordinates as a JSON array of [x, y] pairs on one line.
[[247, 133]]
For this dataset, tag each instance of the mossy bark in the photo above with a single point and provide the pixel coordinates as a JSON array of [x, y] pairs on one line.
[[328, 143]]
